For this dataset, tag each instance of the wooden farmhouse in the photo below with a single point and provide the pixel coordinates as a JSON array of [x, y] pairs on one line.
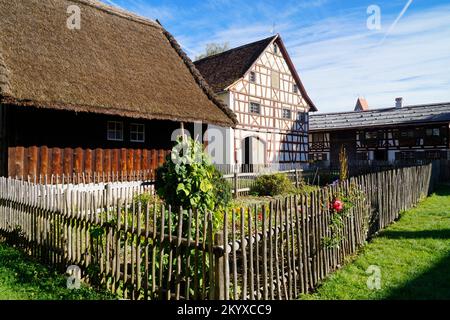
[[258, 81], [400, 133], [98, 97]]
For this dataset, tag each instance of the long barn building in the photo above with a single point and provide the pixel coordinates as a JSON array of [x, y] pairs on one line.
[[419, 132]]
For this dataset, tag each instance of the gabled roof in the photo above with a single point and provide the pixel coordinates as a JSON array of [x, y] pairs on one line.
[[417, 114], [224, 69], [117, 63]]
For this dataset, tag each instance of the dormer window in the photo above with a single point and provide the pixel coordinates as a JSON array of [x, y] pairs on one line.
[[252, 77]]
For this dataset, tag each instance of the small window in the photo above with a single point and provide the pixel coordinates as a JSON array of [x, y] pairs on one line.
[[371, 135], [115, 131], [302, 117], [407, 134], [252, 77], [275, 48], [287, 114], [137, 132], [435, 132], [295, 88], [255, 107], [318, 137]]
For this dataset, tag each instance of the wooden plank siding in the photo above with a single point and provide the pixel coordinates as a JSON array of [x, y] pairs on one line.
[[35, 142], [40, 161]]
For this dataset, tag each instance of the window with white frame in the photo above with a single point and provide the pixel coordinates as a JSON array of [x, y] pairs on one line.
[[287, 114], [275, 48], [255, 107], [115, 131], [137, 132], [295, 88], [252, 77]]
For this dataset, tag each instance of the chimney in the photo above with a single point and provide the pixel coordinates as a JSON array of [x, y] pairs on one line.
[[361, 105], [398, 102]]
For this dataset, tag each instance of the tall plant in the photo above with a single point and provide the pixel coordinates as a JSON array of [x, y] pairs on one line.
[[343, 164], [189, 179]]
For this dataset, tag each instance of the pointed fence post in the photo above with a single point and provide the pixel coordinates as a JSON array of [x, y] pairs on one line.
[[219, 279], [235, 181]]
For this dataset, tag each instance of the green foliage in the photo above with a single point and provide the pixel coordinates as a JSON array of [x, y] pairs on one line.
[[145, 199], [222, 189], [212, 49], [22, 278], [337, 219], [188, 179], [272, 185], [413, 255]]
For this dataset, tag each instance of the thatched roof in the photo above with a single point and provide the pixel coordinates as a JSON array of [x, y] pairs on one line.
[[117, 63], [224, 69]]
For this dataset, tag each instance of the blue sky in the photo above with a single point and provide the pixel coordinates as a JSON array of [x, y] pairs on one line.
[[337, 56]]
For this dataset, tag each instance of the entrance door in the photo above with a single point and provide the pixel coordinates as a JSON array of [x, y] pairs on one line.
[[254, 151]]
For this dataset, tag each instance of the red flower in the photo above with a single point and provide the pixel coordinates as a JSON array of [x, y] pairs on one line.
[[260, 217], [338, 205]]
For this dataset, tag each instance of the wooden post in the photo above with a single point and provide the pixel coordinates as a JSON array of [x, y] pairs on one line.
[[235, 182], [183, 136], [296, 179], [219, 269]]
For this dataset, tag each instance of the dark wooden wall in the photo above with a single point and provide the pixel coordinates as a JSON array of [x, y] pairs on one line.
[[345, 138], [3, 142], [44, 142]]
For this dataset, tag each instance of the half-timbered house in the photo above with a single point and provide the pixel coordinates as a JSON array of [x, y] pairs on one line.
[[99, 95], [259, 82], [400, 133]]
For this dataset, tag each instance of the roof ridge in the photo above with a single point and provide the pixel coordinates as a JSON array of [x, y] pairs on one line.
[[236, 48], [382, 109], [122, 13], [203, 84]]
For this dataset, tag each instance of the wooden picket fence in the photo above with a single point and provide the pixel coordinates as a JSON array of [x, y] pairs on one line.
[[141, 249]]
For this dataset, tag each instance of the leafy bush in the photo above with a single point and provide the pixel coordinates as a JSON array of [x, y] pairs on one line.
[[272, 185], [222, 189], [189, 179]]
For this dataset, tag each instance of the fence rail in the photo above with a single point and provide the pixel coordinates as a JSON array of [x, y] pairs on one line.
[[140, 249]]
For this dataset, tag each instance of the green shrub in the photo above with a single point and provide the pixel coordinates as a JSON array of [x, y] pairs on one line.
[[222, 189], [189, 179], [272, 185]]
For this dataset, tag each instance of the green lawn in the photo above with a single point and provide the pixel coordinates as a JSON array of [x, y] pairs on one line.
[[413, 255], [21, 278]]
